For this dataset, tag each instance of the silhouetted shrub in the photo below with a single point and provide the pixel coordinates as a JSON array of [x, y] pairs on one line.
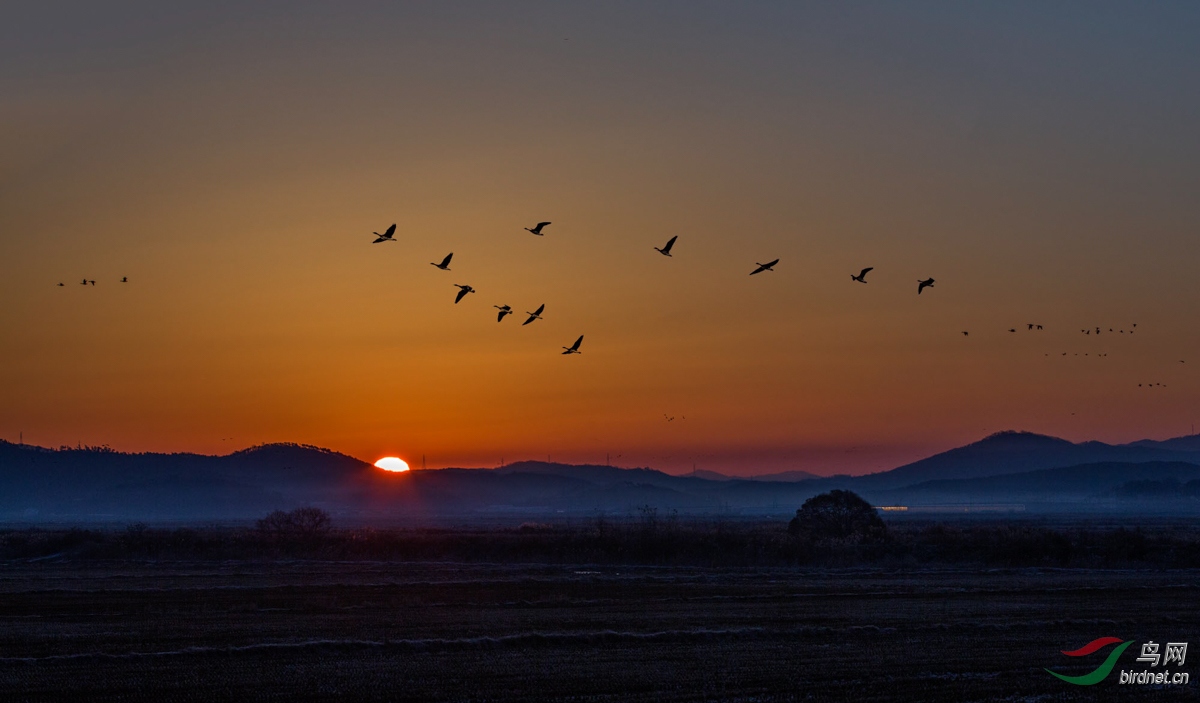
[[307, 526], [840, 516]]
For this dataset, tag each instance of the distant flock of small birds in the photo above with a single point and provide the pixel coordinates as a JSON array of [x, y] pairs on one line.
[[90, 282]]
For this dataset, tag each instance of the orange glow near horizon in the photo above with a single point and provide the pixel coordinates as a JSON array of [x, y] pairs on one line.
[[220, 179], [391, 463]]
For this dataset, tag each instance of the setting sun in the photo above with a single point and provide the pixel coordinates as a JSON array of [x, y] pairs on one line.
[[391, 463]]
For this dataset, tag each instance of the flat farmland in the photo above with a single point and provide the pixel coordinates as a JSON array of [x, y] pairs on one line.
[[320, 630]]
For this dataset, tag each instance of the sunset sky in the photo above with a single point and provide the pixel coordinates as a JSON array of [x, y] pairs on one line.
[[1040, 161]]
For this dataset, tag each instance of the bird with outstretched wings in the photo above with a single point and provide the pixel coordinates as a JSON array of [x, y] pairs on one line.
[[462, 292], [535, 315], [769, 266], [386, 236]]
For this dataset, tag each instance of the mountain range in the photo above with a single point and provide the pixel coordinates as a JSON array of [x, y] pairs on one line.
[[1042, 472]]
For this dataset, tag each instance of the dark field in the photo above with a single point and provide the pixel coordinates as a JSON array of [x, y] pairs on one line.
[[283, 628]]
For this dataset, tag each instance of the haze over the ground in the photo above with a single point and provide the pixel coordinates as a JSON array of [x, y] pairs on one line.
[[1039, 161]]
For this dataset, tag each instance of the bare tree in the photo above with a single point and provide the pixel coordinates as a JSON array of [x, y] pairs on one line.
[[305, 525]]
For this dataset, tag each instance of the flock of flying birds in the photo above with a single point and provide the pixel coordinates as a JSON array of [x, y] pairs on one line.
[[389, 234], [463, 290], [665, 250], [91, 282]]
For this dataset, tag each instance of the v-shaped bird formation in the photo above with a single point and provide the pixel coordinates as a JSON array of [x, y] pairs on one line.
[[539, 230], [666, 250]]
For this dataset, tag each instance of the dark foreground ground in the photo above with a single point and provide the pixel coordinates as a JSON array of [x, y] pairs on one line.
[[329, 630]]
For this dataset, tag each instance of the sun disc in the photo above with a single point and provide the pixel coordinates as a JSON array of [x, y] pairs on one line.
[[392, 463]]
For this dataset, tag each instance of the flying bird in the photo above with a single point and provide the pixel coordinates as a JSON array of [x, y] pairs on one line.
[[386, 236], [445, 265], [538, 229], [769, 266], [83, 282], [535, 315], [965, 333], [60, 285], [504, 310], [92, 282], [462, 292], [124, 279], [922, 285], [666, 251], [1010, 329], [574, 348], [1029, 325], [862, 275]]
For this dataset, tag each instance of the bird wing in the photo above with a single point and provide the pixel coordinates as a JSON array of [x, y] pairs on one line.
[[772, 263], [579, 341], [539, 310], [390, 230], [462, 292], [864, 271], [670, 243], [541, 225], [446, 261], [531, 319]]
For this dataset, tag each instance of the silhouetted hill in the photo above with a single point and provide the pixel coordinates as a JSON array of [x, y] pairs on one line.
[[36, 482], [1064, 483], [1017, 452], [596, 473], [785, 476], [293, 462], [1188, 443], [710, 475], [1159, 489]]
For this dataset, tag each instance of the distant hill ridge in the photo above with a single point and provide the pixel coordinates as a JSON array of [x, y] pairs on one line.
[[1077, 481], [100, 483], [1016, 452]]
